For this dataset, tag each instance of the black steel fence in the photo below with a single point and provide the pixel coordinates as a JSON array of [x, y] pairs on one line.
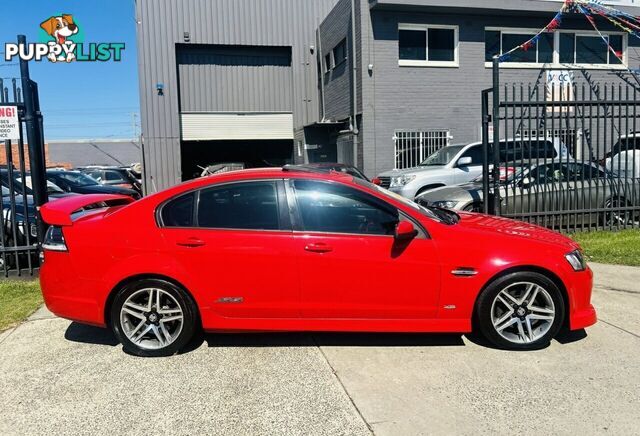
[[22, 177], [564, 155]]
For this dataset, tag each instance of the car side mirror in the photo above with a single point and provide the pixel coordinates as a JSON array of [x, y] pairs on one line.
[[405, 231], [525, 183], [464, 161]]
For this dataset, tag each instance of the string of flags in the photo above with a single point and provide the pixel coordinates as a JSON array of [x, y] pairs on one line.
[[590, 9]]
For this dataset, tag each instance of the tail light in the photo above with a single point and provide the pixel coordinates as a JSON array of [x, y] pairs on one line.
[[54, 239]]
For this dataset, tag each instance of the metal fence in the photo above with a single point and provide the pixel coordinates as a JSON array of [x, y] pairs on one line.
[[413, 146], [22, 177], [563, 156]]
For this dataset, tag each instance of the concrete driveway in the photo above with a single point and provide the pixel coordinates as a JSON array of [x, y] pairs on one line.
[[59, 377]]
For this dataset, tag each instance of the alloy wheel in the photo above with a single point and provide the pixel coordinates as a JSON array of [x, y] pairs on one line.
[[523, 312], [151, 318]]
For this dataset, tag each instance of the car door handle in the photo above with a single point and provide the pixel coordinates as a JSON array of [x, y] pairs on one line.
[[318, 247], [191, 242]]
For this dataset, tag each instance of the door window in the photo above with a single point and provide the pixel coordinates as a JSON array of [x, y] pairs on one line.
[[475, 153], [250, 205], [328, 207], [553, 173]]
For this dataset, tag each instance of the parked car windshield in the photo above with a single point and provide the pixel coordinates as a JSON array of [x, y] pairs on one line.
[[442, 156], [77, 179]]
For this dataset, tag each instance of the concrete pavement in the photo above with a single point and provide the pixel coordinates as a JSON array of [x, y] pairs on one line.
[[59, 377]]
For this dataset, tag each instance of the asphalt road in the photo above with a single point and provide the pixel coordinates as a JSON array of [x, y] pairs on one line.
[[58, 377]]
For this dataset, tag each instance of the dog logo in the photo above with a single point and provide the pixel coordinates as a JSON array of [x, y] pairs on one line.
[[62, 41], [60, 28]]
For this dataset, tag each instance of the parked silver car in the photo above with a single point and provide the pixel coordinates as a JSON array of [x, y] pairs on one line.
[[455, 164], [544, 188]]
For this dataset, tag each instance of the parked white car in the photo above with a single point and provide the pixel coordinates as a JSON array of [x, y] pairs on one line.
[[455, 164], [625, 164]]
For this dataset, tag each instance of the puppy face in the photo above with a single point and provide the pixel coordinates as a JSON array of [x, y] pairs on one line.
[[60, 27]]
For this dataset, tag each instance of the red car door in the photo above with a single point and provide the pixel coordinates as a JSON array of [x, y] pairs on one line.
[[238, 246], [350, 264]]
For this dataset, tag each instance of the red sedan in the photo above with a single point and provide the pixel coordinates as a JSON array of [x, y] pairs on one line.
[[294, 249]]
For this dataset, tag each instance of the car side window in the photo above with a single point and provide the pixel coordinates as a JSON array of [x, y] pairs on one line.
[[550, 174], [178, 212], [248, 205], [96, 175], [584, 172], [334, 208], [113, 176], [475, 153]]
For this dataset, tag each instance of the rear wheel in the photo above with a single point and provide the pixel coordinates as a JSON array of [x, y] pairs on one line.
[[153, 318], [521, 311]]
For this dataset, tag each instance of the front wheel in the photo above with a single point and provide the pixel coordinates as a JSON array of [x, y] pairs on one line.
[[153, 318], [521, 311]]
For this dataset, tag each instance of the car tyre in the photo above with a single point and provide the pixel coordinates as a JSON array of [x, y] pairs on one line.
[[520, 311], [153, 318]]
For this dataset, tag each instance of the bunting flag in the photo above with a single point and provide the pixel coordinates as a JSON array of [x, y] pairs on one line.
[[591, 9]]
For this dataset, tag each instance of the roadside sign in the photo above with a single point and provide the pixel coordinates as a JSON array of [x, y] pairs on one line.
[[9, 124]]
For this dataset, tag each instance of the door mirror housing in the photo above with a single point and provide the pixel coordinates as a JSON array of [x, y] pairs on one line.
[[464, 161], [405, 231]]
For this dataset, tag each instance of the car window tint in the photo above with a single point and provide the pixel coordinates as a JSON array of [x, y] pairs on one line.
[[178, 212], [113, 176], [475, 153], [251, 205], [328, 207], [585, 172], [525, 148], [550, 174]]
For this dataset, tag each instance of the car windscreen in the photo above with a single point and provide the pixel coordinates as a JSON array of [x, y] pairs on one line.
[[76, 179], [442, 156]]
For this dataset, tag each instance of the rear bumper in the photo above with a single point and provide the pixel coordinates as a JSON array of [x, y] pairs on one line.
[[66, 294], [581, 312]]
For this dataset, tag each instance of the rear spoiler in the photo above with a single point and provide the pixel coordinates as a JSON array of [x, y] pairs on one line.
[[58, 212]]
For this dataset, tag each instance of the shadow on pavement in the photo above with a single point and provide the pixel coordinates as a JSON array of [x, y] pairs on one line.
[[87, 334], [332, 339]]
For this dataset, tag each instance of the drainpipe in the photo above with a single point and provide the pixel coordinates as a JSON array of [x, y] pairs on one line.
[[354, 62], [321, 72]]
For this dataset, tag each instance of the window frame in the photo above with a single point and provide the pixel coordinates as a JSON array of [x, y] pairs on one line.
[[455, 63], [337, 62], [296, 216], [284, 216], [556, 49]]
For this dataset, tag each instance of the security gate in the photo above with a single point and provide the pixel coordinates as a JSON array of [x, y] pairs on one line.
[[413, 146], [22, 177], [563, 155]]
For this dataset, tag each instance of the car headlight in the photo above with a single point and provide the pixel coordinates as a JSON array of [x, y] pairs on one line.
[[400, 181], [445, 204], [576, 260]]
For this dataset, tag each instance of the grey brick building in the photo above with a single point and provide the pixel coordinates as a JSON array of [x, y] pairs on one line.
[[273, 81]]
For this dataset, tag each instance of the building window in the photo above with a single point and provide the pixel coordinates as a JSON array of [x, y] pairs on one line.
[[340, 53], [328, 62], [427, 45], [561, 47], [413, 146]]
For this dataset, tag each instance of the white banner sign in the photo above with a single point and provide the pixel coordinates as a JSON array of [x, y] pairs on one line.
[[560, 88], [9, 124]]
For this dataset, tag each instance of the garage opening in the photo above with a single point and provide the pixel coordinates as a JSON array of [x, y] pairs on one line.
[[197, 155]]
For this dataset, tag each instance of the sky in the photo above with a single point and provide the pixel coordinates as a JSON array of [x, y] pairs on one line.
[[80, 100]]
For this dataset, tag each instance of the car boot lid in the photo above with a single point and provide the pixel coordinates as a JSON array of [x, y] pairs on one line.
[[60, 212]]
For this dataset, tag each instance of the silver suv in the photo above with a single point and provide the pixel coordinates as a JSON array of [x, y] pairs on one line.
[[455, 164]]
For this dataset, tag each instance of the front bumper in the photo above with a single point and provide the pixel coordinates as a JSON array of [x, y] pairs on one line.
[[581, 312]]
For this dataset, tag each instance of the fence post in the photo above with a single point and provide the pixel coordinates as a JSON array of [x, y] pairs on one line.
[[496, 137], [486, 119], [34, 137]]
